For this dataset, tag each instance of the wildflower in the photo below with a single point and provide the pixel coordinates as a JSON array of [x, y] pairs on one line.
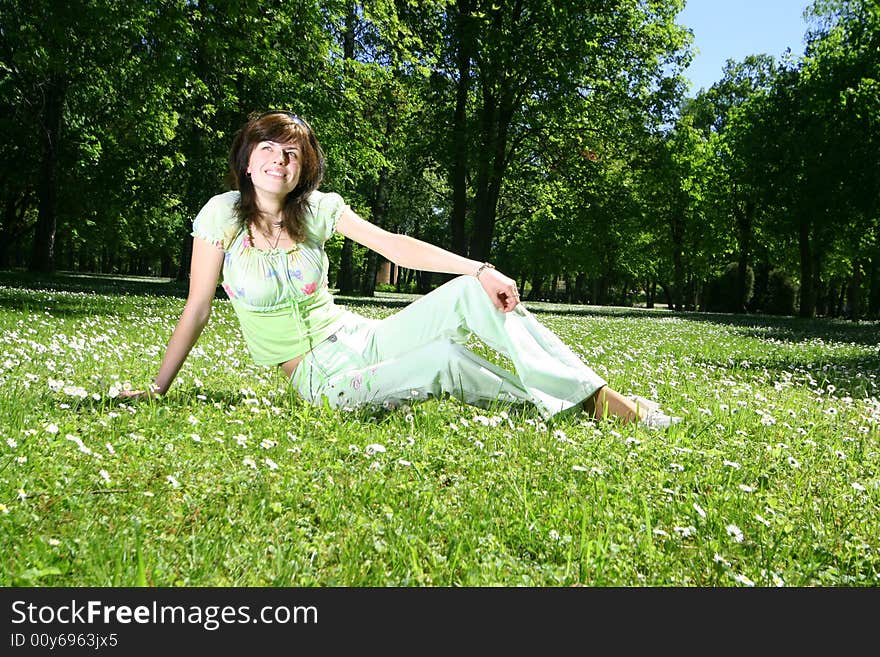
[[792, 461], [717, 558], [272, 465], [249, 462], [375, 448], [54, 542], [21, 494], [76, 391], [268, 443], [559, 434], [553, 535], [353, 449], [735, 532], [732, 464], [676, 466], [659, 532], [857, 486], [690, 530], [4, 508], [241, 440], [192, 419], [171, 479], [742, 579], [110, 449], [699, 510], [105, 476], [21, 459], [11, 442], [51, 428], [746, 488], [578, 468], [762, 520], [79, 443], [404, 462]]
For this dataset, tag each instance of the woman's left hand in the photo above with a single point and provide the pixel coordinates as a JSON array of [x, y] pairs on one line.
[[500, 288]]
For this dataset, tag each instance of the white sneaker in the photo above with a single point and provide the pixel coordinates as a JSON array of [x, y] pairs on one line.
[[655, 418]]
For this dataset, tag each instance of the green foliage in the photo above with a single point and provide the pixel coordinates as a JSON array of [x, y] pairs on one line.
[[554, 140], [724, 293], [780, 297]]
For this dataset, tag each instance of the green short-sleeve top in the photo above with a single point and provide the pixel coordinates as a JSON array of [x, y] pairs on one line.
[[280, 296]]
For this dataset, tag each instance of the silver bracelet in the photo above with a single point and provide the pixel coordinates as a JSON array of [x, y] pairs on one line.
[[485, 265]]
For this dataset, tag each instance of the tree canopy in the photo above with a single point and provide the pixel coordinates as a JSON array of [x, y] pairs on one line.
[[554, 139]]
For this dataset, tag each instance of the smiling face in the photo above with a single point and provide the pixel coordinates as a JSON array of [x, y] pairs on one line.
[[274, 169], [275, 163]]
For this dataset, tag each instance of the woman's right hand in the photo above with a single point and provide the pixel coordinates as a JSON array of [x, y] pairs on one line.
[[136, 395]]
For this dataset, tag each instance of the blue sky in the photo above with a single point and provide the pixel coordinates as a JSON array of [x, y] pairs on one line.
[[732, 29]]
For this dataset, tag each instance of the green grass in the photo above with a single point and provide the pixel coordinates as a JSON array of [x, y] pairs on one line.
[[772, 479]]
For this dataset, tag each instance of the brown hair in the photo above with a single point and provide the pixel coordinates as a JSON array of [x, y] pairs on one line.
[[282, 127]]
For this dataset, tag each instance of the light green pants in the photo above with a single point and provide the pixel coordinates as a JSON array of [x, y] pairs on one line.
[[419, 352]]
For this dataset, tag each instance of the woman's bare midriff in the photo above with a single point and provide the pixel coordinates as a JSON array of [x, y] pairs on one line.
[[289, 366]]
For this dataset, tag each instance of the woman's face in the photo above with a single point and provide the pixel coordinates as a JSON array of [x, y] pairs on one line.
[[274, 169]]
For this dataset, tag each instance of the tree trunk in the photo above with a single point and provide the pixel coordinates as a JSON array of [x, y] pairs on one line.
[[459, 138], [537, 285], [855, 292], [744, 242], [496, 115], [13, 227], [808, 290], [580, 287], [378, 211], [43, 254], [345, 279], [874, 286], [677, 235]]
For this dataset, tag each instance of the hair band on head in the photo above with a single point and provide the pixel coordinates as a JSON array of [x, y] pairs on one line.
[[293, 117]]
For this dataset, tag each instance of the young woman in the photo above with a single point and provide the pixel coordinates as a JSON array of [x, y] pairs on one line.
[[267, 239]]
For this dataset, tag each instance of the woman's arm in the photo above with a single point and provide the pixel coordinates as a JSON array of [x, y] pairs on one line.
[[411, 253], [204, 273]]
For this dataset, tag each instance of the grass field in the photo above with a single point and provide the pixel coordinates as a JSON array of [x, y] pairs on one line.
[[230, 480]]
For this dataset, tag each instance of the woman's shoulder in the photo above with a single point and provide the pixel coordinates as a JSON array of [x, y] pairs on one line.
[[325, 209], [319, 200], [226, 200], [218, 221]]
